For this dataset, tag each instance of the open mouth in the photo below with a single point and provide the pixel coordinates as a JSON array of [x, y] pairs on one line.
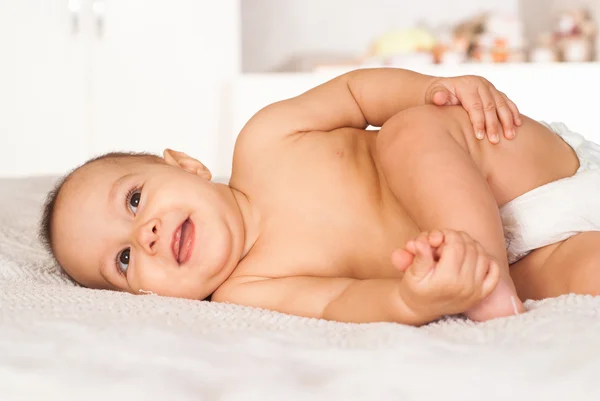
[[183, 241]]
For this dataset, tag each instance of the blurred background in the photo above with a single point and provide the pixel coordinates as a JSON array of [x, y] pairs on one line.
[[83, 77], [312, 34]]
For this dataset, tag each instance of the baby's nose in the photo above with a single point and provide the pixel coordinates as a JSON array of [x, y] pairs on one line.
[[147, 235]]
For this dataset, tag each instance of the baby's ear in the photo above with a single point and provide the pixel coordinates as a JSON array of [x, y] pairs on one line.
[[188, 163]]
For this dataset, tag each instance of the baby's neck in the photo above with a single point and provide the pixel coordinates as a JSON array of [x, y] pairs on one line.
[[249, 220]]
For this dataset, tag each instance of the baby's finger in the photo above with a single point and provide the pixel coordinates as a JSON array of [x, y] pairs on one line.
[[435, 238], [452, 254], [402, 259], [411, 247], [515, 111], [473, 106], [468, 265], [482, 267], [466, 238], [423, 261], [423, 237], [483, 264], [452, 100], [441, 98], [505, 114], [491, 116], [491, 279]]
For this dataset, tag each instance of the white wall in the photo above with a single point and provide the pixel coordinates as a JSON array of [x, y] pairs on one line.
[[274, 30]]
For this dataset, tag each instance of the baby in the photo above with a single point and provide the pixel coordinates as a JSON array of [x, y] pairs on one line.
[[323, 218]]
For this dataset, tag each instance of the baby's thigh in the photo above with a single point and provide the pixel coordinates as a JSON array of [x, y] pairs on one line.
[[581, 263], [428, 167], [535, 157], [511, 168], [571, 266]]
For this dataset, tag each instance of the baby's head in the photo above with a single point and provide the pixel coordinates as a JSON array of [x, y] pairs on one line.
[[139, 222]]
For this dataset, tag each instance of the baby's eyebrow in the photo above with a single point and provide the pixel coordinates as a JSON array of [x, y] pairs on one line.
[[113, 190]]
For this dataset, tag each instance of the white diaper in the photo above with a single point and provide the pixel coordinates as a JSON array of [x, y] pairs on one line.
[[558, 210]]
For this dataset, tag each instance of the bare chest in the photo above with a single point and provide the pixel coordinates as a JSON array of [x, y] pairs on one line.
[[329, 213]]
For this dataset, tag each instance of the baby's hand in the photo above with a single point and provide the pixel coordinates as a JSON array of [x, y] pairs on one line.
[[484, 103], [447, 273]]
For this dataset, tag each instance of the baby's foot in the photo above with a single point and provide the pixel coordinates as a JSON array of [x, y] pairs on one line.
[[503, 301]]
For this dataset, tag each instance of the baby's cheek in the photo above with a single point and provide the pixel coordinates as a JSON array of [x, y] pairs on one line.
[[148, 275]]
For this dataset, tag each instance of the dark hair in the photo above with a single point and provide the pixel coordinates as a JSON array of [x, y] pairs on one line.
[[45, 232]]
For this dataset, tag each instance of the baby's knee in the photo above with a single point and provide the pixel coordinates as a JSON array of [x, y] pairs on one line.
[[404, 130], [408, 118], [417, 130]]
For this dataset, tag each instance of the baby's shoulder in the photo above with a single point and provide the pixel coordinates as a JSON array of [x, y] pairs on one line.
[[260, 144], [258, 134], [272, 125]]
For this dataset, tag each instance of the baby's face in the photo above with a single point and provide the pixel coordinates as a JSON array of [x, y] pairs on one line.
[[136, 225]]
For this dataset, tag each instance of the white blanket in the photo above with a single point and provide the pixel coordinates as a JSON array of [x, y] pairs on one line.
[[60, 342]]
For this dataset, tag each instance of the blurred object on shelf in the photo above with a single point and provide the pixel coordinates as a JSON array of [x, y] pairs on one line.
[[544, 51], [489, 38], [502, 40], [410, 45], [574, 36]]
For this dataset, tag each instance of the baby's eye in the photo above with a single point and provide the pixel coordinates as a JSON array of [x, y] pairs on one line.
[[123, 260], [134, 200]]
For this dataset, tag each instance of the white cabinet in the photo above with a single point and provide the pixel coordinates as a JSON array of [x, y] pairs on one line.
[[43, 99], [159, 68], [137, 75]]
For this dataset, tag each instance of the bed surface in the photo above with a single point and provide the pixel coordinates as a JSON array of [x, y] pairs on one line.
[[60, 341]]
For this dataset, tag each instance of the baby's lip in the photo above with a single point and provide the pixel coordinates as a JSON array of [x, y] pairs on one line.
[[176, 240]]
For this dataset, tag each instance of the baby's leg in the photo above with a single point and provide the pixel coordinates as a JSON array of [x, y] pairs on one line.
[[567, 267], [436, 180]]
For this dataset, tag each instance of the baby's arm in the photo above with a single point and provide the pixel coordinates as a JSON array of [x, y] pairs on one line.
[[356, 99], [371, 96], [446, 279], [338, 299]]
